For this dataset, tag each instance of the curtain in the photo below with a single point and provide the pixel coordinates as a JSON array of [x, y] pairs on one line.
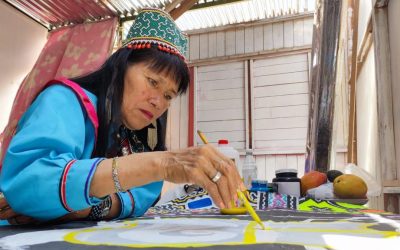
[[69, 52]]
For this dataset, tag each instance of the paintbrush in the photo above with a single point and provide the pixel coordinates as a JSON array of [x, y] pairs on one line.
[[241, 196]]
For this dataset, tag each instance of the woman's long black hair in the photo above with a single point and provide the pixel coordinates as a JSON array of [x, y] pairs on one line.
[[107, 84]]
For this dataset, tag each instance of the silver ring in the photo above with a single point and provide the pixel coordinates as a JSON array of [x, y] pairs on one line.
[[216, 177]]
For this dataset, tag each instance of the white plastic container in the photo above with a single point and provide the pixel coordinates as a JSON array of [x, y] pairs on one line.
[[231, 153], [249, 169]]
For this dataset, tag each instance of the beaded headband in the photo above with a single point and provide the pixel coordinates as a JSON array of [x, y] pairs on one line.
[[156, 27]]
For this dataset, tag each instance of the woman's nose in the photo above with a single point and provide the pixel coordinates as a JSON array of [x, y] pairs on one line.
[[156, 100]]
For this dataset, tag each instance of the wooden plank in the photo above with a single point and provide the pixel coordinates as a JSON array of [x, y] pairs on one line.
[[222, 94], [258, 38], [249, 39], [221, 43], [300, 165], [194, 47], [270, 164], [393, 183], [288, 34], [281, 162], [298, 57], [281, 69], [277, 30], [220, 115], [292, 77], [226, 66], [184, 6], [239, 41], [387, 159], [203, 46], [277, 123], [214, 126], [230, 135], [212, 44], [298, 30], [222, 104], [287, 111], [281, 101], [174, 112], [184, 121], [230, 42], [281, 134], [308, 31], [218, 75], [248, 103], [279, 145], [222, 84], [268, 37], [291, 161], [261, 169], [282, 89]]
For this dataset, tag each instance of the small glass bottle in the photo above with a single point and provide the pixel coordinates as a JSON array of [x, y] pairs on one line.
[[249, 169]]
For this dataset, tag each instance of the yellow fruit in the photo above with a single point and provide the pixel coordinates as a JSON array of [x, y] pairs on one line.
[[234, 210], [349, 186]]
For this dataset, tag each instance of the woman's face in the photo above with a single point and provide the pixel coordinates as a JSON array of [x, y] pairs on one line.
[[147, 95]]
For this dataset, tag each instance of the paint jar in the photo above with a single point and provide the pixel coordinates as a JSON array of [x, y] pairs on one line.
[[288, 182], [230, 152]]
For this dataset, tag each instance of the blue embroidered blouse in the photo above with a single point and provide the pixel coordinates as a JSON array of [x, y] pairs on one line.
[[48, 168]]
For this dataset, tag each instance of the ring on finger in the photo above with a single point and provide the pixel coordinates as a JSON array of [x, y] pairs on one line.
[[216, 177]]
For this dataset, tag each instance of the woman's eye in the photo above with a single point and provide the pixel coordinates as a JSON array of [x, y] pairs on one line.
[[153, 82], [168, 97]]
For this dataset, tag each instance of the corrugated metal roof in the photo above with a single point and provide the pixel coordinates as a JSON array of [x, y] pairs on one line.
[[243, 11], [57, 13]]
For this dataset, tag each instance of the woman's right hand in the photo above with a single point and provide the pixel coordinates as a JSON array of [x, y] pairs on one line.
[[199, 165]]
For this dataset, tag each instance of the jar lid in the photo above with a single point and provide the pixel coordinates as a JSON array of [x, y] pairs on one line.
[[223, 141], [286, 170]]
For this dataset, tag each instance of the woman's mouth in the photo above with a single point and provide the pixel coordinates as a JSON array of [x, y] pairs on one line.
[[147, 114]]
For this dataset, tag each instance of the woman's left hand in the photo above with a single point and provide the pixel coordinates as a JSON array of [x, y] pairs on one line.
[[7, 213]]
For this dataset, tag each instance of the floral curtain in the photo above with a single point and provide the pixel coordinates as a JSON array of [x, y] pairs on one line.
[[69, 52]]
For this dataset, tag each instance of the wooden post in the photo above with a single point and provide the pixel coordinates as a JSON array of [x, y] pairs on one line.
[[322, 93], [387, 156]]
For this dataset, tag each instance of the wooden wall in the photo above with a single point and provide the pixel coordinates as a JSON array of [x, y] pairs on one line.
[[271, 59]]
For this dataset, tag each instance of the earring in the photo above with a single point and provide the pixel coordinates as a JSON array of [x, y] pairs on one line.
[[152, 136]]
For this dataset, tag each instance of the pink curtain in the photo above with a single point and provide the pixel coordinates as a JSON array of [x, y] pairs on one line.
[[69, 52]]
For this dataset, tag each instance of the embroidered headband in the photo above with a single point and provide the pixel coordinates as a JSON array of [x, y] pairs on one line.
[[156, 27]]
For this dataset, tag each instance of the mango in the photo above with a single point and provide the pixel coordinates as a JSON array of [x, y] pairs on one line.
[[312, 179], [349, 186]]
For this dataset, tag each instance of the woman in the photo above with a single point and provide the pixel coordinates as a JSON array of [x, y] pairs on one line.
[[63, 160]]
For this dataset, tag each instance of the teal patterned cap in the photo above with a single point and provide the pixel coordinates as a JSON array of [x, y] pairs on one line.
[[154, 26]]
